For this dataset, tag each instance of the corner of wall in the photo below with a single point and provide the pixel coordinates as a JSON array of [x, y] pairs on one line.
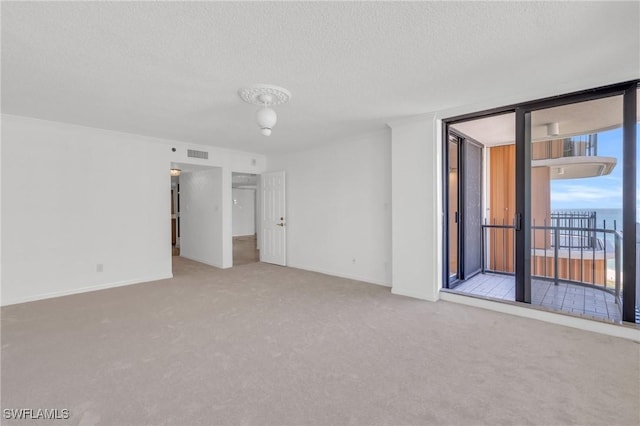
[[415, 206]]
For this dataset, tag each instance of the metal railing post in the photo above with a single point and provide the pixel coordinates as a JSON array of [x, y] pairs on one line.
[[544, 265], [618, 265], [556, 243], [604, 236], [570, 238], [482, 242], [504, 249], [493, 245], [593, 264], [535, 248], [582, 262]]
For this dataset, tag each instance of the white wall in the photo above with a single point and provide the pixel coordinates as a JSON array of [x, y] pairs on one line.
[[1, 221], [244, 211], [201, 211], [416, 203], [338, 208], [74, 197]]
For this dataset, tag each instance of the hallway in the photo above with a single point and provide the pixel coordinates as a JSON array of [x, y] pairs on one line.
[[244, 250]]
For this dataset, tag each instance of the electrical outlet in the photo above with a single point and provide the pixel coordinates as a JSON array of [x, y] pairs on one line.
[[99, 267]]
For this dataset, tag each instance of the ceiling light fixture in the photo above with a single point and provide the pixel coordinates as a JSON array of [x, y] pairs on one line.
[[553, 129], [175, 172], [266, 96]]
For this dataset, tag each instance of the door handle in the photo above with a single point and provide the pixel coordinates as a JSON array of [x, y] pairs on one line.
[[280, 224]]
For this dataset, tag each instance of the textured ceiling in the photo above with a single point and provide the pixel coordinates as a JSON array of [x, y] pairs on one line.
[[172, 69]]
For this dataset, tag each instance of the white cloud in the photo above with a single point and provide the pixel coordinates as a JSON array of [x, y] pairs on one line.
[[616, 179], [576, 193]]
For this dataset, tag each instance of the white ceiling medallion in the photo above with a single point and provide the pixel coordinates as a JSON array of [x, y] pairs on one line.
[[266, 96]]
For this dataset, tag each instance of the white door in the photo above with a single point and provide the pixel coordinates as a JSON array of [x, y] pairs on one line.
[[274, 227]]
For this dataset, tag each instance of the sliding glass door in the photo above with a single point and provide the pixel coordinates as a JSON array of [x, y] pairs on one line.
[[465, 159], [541, 203], [453, 210], [575, 228]]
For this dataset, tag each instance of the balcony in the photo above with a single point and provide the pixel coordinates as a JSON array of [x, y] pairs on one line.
[[585, 301], [575, 265], [572, 158]]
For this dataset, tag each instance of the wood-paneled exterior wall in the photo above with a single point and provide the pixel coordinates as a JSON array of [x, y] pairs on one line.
[[502, 207], [502, 193], [502, 177], [590, 271]]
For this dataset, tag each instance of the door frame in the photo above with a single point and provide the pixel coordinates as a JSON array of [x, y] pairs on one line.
[[450, 281], [522, 112]]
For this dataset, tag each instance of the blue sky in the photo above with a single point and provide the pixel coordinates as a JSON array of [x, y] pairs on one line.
[[603, 192]]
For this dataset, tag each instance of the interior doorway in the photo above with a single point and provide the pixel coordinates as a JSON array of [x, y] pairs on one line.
[[199, 226], [244, 218]]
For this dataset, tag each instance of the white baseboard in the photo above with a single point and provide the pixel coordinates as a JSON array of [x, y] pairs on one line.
[[83, 290], [402, 292], [340, 275], [206, 262], [625, 331]]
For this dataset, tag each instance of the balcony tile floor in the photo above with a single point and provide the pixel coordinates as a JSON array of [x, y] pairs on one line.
[[585, 301]]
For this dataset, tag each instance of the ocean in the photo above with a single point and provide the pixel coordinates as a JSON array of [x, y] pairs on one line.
[[608, 217], [605, 218]]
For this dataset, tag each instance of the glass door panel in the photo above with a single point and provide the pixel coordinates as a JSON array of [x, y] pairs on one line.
[[558, 203], [472, 208], [453, 208], [465, 204], [481, 205], [575, 202], [637, 304]]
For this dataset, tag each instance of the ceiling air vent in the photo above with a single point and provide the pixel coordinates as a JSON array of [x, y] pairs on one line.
[[197, 154]]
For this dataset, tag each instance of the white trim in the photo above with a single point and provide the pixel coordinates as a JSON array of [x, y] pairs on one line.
[[347, 276], [401, 292], [624, 331], [85, 289], [195, 259]]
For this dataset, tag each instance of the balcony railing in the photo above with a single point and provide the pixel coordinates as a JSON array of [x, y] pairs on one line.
[[570, 248], [576, 146], [582, 225]]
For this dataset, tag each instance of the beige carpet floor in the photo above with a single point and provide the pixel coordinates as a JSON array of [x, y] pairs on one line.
[[244, 250], [264, 345]]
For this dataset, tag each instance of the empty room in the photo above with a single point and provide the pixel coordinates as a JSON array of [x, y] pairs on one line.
[[320, 213]]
